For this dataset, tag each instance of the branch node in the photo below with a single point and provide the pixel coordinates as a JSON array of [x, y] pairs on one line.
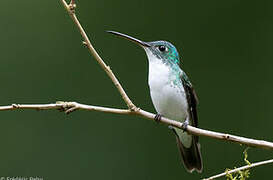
[[133, 108], [109, 69], [15, 106], [226, 136], [72, 6], [84, 43], [67, 107], [70, 110]]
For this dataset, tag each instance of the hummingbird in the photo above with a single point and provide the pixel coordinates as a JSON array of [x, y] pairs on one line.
[[173, 96]]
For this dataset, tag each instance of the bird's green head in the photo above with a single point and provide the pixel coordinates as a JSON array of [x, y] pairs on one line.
[[156, 50], [162, 50]]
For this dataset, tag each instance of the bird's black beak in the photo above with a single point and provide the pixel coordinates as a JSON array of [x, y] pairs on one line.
[[139, 42]]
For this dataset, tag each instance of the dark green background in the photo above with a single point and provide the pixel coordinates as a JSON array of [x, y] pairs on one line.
[[226, 48]]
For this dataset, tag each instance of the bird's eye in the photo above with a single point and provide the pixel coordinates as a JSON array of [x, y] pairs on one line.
[[162, 48]]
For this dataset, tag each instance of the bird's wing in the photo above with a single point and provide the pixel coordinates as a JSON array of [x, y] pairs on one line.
[[191, 156], [191, 98]]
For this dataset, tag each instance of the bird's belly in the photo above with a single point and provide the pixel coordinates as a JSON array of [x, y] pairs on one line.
[[169, 98], [170, 101]]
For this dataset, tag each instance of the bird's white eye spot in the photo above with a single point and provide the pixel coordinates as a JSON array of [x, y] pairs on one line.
[[162, 48]]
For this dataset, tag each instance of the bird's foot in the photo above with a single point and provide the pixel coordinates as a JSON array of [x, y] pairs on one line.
[[157, 118], [185, 125]]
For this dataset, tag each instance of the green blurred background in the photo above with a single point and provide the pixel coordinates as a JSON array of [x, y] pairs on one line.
[[226, 48]]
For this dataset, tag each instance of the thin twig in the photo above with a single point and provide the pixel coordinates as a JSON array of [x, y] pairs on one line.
[[31, 106], [69, 107], [241, 168], [72, 2], [71, 11]]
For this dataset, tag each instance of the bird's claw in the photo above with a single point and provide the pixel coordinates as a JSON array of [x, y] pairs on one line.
[[185, 125], [157, 118]]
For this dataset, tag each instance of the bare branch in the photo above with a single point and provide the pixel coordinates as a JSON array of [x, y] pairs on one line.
[[71, 11], [240, 169], [69, 107], [229, 137], [31, 106]]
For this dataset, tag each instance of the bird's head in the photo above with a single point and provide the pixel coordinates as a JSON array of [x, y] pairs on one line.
[[156, 50]]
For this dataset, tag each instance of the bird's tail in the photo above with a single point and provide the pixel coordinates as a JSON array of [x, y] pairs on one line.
[[189, 149]]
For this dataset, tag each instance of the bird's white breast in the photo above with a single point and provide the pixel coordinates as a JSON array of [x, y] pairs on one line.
[[168, 94], [169, 99]]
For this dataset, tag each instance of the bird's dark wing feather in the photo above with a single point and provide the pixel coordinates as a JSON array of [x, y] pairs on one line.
[[191, 98], [191, 156]]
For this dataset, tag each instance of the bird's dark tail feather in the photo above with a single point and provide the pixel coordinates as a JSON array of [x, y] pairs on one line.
[[191, 157]]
